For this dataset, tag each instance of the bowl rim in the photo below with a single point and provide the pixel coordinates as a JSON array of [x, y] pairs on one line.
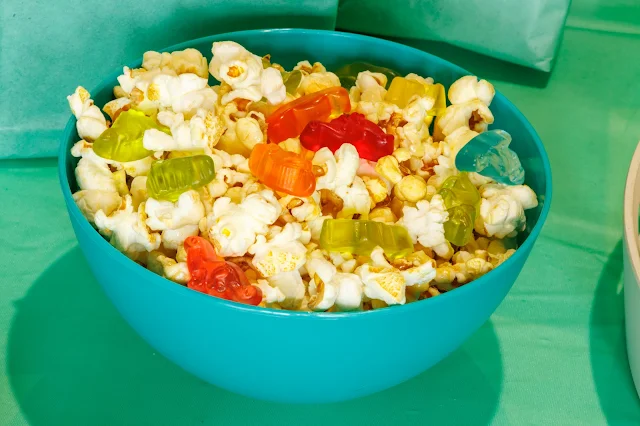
[[127, 263], [630, 214]]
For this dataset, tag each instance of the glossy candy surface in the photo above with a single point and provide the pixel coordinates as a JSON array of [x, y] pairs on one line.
[[348, 74], [123, 140], [370, 140], [169, 178], [437, 92], [212, 275], [489, 154], [462, 200], [402, 90], [282, 170], [362, 236], [289, 120]]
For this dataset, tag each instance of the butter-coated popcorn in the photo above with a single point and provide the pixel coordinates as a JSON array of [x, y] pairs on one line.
[[274, 237]]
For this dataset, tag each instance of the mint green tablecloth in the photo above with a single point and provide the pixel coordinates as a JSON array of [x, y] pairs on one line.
[[552, 354]]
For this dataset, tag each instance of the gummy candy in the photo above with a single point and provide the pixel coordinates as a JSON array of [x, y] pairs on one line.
[[362, 236], [282, 170], [462, 200], [289, 120], [402, 90], [212, 275], [348, 74], [169, 178], [291, 80], [370, 140], [489, 155], [123, 140]]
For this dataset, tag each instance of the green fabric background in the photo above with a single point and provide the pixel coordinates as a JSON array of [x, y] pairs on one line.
[[552, 354]]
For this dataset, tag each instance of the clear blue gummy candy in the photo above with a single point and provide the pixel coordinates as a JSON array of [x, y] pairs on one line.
[[488, 154]]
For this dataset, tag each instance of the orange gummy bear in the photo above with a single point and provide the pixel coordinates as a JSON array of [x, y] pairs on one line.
[[282, 170]]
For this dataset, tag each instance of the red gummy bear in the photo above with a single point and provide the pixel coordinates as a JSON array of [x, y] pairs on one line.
[[369, 139], [211, 274]]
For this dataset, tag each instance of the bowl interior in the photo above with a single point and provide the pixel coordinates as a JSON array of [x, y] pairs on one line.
[[334, 49]]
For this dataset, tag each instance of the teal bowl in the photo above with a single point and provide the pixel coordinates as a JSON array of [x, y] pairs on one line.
[[299, 357]]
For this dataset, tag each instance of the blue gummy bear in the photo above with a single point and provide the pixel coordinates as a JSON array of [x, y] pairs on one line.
[[488, 154]]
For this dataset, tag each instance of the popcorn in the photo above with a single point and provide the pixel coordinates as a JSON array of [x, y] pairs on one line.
[[468, 88], [168, 267], [164, 215], [284, 252], [90, 121], [172, 239], [356, 199], [233, 228], [249, 132], [411, 188], [273, 237], [425, 223], [201, 132], [318, 81], [502, 209], [389, 169], [270, 294], [474, 115], [91, 201], [187, 61], [328, 287], [127, 229], [291, 286], [243, 71], [381, 281], [163, 89]]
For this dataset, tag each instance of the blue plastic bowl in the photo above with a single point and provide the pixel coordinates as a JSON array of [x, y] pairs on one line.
[[295, 356]]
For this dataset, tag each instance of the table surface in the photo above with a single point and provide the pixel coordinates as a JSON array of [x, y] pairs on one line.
[[553, 352]]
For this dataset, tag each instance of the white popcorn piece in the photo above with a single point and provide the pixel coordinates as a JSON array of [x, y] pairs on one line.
[[164, 215], [272, 86], [243, 71], [168, 267], [249, 132], [163, 89], [92, 175], [502, 209], [90, 121], [376, 111], [304, 209], [415, 77], [172, 239], [416, 131], [468, 88], [291, 286], [356, 199], [180, 62], [315, 226], [127, 229], [371, 86], [270, 294], [91, 201], [112, 108], [328, 287], [418, 275], [84, 149], [425, 224], [283, 252], [461, 115], [201, 132], [381, 281], [233, 228], [317, 81]]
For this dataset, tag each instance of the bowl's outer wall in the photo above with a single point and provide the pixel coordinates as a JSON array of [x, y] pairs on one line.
[[308, 358]]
